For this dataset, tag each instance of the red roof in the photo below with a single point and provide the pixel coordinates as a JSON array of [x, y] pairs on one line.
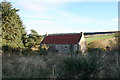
[[62, 39]]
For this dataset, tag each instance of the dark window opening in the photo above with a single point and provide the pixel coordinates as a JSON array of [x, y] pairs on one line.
[[65, 47], [56, 50]]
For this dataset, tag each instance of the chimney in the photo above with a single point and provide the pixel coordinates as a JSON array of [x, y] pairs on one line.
[[46, 34], [82, 34]]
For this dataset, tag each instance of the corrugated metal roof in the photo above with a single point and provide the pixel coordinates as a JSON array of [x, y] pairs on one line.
[[62, 39]]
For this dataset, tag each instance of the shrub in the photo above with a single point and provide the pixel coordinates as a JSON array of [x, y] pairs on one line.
[[95, 50], [44, 46], [42, 51], [6, 48], [79, 67], [56, 65], [24, 67], [27, 51], [95, 44]]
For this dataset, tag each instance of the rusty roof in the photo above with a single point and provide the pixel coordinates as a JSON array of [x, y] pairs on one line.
[[62, 39]]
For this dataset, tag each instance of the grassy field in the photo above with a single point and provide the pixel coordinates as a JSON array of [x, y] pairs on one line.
[[97, 64], [100, 37]]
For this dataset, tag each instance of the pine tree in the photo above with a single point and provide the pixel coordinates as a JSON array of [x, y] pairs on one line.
[[33, 39], [12, 26]]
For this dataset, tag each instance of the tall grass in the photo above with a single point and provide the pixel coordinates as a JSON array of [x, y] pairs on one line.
[[56, 65]]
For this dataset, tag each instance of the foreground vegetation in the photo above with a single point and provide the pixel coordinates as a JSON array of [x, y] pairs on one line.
[[19, 61], [95, 63], [57, 65]]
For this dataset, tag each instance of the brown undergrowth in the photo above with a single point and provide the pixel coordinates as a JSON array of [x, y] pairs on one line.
[[55, 65]]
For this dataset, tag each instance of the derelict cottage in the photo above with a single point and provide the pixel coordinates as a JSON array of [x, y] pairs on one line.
[[65, 43]]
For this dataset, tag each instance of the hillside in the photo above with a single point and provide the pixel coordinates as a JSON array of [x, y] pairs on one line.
[[91, 38], [101, 40]]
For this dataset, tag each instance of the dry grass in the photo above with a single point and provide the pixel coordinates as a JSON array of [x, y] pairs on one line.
[[30, 66], [51, 65], [92, 38], [111, 42]]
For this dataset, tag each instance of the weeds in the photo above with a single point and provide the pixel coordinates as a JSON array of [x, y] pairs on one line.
[[56, 65]]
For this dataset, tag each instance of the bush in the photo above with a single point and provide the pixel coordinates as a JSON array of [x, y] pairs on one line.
[[95, 50], [6, 48], [42, 51], [27, 51], [56, 65], [24, 67], [95, 44], [79, 67]]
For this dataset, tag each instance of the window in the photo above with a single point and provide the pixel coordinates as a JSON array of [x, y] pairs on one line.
[[75, 47], [57, 51], [65, 48], [56, 47]]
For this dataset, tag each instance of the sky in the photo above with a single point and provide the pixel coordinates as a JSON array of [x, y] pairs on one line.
[[68, 16]]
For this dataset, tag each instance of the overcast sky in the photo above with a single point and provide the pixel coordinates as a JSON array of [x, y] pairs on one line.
[[68, 16]]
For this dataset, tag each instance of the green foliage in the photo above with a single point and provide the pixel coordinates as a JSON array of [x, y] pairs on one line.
[[12, 26], [24, 39], [79, 67], [102, 37], [44, 46], [5, 48], [33, 39], [13, 31], [55, 65], [43, 49], [95, 50], [27, 51]]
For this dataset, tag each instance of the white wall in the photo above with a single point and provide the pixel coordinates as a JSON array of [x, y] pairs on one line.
[[82, 44]]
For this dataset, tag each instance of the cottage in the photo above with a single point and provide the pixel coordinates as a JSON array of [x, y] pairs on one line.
[[65, 43]]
